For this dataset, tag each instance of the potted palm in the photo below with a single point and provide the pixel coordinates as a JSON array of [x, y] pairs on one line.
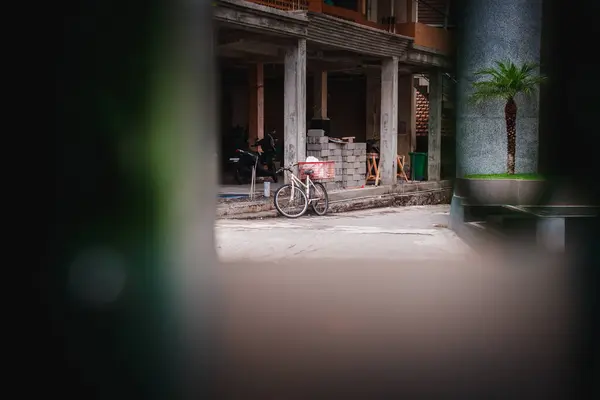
[[504, 81]]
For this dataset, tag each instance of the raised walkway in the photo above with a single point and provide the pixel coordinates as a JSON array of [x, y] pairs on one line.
[[412, 193]]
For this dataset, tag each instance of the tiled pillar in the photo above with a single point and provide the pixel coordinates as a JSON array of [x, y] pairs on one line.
[[480, 129]]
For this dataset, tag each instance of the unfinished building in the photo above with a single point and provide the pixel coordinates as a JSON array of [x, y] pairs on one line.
[[368, 69]]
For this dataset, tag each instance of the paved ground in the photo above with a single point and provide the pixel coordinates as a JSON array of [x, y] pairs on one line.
[[245, 189], [400, 234]]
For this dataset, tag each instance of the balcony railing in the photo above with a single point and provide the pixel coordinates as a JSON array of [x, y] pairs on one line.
[[286, 5], [427, 36], [424, 35]]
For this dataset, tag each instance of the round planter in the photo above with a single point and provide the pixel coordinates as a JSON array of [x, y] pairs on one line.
[[501, 191]]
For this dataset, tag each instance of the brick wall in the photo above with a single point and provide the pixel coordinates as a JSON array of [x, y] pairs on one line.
[[422, 110], [350, 159]]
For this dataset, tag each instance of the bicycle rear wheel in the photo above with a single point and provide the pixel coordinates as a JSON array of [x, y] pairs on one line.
[[290, 201], [320, 199]]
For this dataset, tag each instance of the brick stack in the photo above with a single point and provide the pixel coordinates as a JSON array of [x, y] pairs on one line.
[[354, 164], [350, 159], [422, 112]]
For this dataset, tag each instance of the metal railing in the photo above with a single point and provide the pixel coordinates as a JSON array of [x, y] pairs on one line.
[[286, 5], [443, 14]]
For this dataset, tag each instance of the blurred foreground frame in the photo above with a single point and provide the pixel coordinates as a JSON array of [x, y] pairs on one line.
[[134, 204], [135, 185]]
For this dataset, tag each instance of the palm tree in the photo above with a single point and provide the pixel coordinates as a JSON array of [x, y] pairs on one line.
[[505, 81]]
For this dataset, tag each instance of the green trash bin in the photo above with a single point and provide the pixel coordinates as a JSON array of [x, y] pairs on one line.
[[418, 166]]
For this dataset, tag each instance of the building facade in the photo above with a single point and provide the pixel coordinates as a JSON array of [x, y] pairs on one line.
[[369, 69]]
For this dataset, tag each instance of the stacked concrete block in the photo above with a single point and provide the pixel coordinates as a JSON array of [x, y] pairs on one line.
[[350, 159], [317, 145], [354, 164]]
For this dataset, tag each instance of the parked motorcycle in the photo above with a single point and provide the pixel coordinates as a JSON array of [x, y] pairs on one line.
[[263, 161], [269, 150], [248, 160]]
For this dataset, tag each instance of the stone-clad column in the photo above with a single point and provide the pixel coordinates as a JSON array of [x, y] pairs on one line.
[[294, 104], [495, 30]]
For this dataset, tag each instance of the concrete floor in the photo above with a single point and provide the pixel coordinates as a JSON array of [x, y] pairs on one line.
[[245, 189], [417, 233]]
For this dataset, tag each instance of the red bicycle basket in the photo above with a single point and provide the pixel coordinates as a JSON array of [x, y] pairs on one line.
[[321, 169]]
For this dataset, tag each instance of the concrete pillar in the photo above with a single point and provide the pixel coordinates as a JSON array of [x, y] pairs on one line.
[[412, 10], [389, 121], [400, 11], [256, 103], [480, 129], [294, 104], [372, 10], [434, 135], [373, 103]]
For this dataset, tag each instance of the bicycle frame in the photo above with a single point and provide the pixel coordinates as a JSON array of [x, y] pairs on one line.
[[297, 182]]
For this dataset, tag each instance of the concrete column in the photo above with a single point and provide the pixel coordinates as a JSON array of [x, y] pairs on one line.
[[256, 103], [400, 11], [389, 121], [480, 129], [320, 94], [294, 104], [434, 135], [373, 103], [412, 10], [372, 10]]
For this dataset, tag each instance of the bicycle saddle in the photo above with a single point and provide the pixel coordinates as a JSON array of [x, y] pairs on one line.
[[308, 171]]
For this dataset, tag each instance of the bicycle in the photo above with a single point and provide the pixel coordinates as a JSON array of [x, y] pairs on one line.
[[301, 194]]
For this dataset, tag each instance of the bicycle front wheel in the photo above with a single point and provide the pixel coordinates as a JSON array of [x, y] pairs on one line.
[[291, 201], [319, 198]]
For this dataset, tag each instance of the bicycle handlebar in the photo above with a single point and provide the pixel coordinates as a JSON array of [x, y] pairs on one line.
[[288, 168]]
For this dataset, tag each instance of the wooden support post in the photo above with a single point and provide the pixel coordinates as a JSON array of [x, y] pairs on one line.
[[361, 7], [320, 94], [256, 103]]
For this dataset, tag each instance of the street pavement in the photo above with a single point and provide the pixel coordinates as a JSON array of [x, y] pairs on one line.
[[351, 303], [417, 233]]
